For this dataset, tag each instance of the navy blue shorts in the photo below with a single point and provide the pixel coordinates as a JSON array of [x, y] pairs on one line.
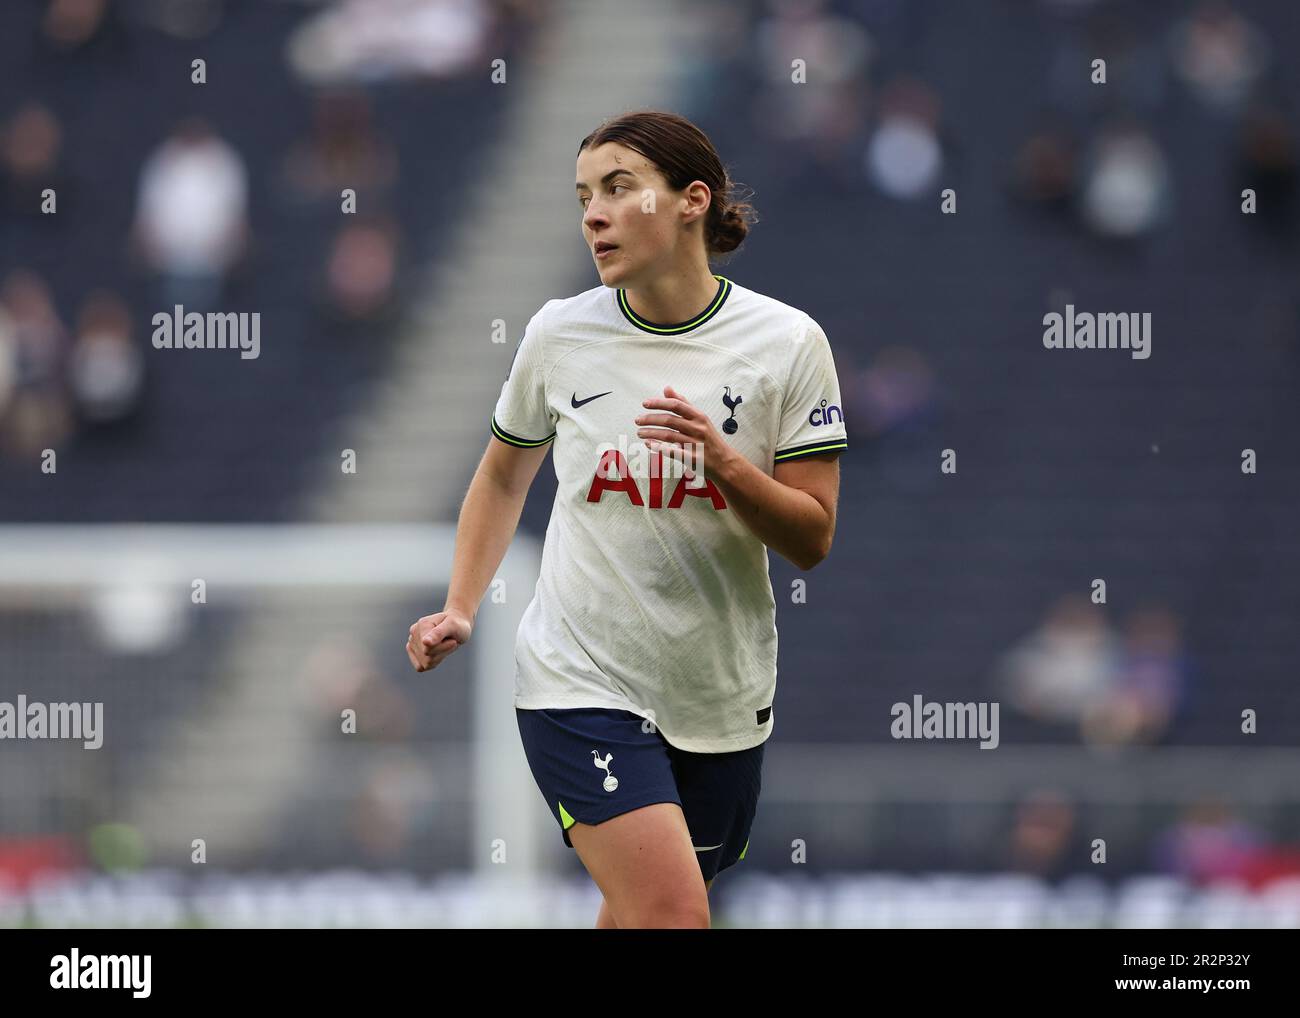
[[593, 763]]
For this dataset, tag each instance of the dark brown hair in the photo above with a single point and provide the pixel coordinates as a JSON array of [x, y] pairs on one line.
[[683, 154]]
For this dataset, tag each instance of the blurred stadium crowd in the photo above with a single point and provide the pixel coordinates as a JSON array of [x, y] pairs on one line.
[[169, 191]]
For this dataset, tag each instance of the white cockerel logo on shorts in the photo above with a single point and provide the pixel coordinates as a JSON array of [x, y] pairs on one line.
[[611, 782]]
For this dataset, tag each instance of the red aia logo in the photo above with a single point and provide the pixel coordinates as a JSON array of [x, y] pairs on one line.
[[612, 462]]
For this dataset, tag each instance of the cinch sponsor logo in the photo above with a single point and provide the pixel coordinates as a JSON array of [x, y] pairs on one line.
[[613, 474], [101, 972], [823, 414]]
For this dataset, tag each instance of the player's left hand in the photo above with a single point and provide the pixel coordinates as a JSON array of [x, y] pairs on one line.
[[684, 427]]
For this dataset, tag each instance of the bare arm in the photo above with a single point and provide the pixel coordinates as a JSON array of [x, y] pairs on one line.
[[793, 510], [489, 517]]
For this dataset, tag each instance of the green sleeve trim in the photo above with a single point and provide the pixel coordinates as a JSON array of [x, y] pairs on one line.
[[515, 440], [810, 449]]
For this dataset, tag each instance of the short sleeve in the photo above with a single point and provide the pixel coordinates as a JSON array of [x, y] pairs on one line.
[[522, 416], [812, 416]]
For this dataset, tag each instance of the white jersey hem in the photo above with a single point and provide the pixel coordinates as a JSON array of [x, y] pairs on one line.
[[687, 745]]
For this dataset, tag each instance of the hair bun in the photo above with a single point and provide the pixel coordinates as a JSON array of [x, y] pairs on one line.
[[730, 227]]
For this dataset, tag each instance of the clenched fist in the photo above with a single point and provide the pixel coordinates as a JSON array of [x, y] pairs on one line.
[[435, 636]]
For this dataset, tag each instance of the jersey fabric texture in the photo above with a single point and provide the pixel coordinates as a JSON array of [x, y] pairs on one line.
[[594, 764], [654, 597]]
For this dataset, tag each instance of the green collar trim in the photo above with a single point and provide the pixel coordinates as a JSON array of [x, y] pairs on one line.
[[720, 298]]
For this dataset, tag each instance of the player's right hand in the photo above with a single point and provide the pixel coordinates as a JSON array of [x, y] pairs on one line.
[[435, 636]]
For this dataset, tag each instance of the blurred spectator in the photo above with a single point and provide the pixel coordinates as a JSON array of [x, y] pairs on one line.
[[35, 420], [33, 141], [1045, 169], [1042, 836], [343, 150], [373, 40], [8, 359], [102, 369], [817, 121], [1267, 164], [1060, 672], [1209, 842], [1219, 54], [904, 157], [397, 790], [107, 368], [38, 336], [835, 49], [342, 677], [1150, 684], [1136, 69], [190, 20], [714, 61], [191, 218], [69, 24], [895, 390], [1125, 183], [361, 271]]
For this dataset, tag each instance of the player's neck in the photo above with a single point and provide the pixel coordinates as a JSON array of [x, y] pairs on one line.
[[674, 298]]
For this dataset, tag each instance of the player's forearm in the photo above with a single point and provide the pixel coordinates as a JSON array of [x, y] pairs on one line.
[[789, 521], [488, 519]]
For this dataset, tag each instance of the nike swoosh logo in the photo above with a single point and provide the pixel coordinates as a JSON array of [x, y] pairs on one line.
[[708, 848], [579, 402]]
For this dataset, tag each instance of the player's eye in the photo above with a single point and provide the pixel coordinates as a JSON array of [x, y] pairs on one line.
[[613, 187]]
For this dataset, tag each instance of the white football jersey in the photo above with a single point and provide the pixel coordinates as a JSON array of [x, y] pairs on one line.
[[654, 597]]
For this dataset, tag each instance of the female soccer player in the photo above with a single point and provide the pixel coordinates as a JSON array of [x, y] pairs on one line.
[[696, 424]]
